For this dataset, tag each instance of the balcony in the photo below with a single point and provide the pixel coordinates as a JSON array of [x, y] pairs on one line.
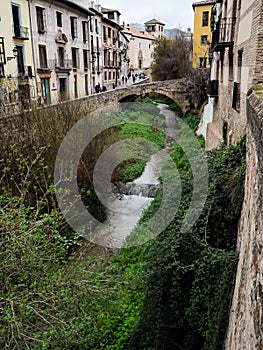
[[223, 35], [20, 32], [58, 65], [212, 89]]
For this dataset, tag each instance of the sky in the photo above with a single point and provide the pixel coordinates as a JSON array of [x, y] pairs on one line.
[[174, 13]]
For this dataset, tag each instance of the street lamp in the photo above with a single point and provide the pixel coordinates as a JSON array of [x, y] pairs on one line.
[[15, 51]]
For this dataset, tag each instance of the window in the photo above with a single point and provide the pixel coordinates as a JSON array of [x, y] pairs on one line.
[[105, 75], [61, 57], [74, 27], [59, 19], [111, 15], [20, 59], [236, 90], [91, 44], [85, 58], [16, 20], [205, 18], [2, 52], [98, 46], [41, 19], [104, 34], [91, 25], [96, 26], [75, 86], [42, 56], [202, 62], [203, 39], [109, 75], [231, 63], [85, 31], [86, 84], [109, 32], [75, 57]]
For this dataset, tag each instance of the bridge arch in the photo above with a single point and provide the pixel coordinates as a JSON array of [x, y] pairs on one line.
[[180, 91]]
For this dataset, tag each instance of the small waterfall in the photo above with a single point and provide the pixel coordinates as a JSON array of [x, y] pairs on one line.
[[141, 190]]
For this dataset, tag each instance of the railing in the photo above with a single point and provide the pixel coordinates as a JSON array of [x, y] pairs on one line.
[[59, 64], [223, 35], [20, 32]]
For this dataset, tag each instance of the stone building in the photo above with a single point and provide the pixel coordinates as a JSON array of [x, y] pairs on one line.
[[237, 47], [17, 71], [202, 35], [60, 32], [112, 57], [141, 47]]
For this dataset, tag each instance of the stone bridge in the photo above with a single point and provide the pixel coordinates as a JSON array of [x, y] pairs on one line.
[[182, 91]]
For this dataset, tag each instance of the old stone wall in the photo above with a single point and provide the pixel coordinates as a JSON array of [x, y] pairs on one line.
[[246, 316]]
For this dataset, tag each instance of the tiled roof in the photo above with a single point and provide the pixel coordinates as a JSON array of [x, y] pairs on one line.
[[138, 33], [203, 3], [154, 21]]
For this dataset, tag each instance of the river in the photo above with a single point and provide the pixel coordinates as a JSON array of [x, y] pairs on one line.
[[125, 209]]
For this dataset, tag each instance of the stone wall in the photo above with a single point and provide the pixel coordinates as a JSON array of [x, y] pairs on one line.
[[246, 316]]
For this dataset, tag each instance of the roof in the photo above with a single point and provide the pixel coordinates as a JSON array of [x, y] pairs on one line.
[[154, 21], [77, 7], [105, 10], [203, 3], [138, 33]]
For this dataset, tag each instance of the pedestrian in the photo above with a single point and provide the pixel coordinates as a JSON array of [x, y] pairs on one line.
[[126, 79], [113, 86], [104, 88], [97, 88], [133, 78]]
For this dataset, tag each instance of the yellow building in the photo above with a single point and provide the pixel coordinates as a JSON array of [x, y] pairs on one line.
[[202, 36], [17, 83]]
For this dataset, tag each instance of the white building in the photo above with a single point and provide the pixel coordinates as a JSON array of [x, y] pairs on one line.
[[141, 47], [60, 32]]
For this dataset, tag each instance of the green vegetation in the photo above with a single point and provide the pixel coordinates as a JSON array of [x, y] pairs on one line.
[[57, 292], [171, 58]]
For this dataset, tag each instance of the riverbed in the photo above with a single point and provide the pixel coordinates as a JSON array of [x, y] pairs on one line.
[[124, 209]]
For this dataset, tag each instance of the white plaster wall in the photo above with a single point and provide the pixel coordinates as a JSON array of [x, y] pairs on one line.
[[245, 26]]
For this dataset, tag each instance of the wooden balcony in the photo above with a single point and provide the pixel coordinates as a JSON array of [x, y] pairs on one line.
[[223, 35]]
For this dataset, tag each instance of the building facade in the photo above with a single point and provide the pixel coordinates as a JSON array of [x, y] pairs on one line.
[[202, 36], [237, 46], [141, 47], [112, 57], [96, 47], [17, 71], [60, 32]]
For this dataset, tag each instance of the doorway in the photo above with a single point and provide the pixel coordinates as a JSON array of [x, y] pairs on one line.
[[45, 90]]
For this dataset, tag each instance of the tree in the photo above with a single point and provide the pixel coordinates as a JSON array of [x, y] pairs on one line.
[[171, 58]]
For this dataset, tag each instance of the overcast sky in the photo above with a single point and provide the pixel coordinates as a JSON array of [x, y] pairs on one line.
[[174, 13]]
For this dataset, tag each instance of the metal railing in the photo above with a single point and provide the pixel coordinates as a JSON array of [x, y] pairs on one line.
[[20, 32], [224, 31], [59, 63]]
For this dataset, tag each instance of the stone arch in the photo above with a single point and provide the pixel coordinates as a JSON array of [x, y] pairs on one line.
[[131, 96]]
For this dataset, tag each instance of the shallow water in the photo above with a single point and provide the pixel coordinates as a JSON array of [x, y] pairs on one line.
[[125, 209]]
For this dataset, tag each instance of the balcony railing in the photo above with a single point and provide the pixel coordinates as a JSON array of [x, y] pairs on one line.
[[223, 35], [57, 63], [20, 32]]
